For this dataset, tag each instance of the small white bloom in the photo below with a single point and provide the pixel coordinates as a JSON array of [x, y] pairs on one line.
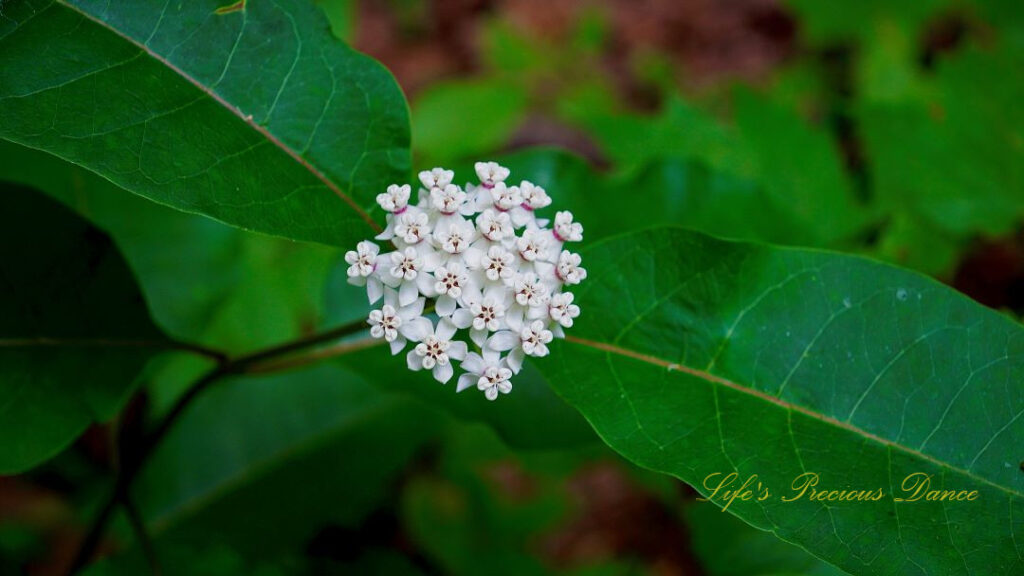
[[494, 226], [565, 229], [362, 265], [534, 197], [505, 197], [396, 199], [569, 270], [455, 238], [562, 310], [532, 245], [436, 351], [397, 324], [412, 227], [490, 173], [408, 275], [449, 282], [535, 339], [530, 291], [362, 260], [487, 372], [436, 178], [483, 314], [447, 200], [384, 323], [498, 264]]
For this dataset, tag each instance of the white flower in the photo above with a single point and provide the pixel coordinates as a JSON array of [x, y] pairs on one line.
[[396, 199], [505, 198], [565, 230], [487, 372], [568, 269], [490, 173], [395, 325], [534, 197], [530, 291], [498, 264], [450, 280], [494, 226], [562, 310], [362, 260], [408, 275], [535, 339], [482, 315], [532, 245], [412, 227], [455, 240], [436, 178], [436, 350], [479, 262], [447, 200], [362, 264]]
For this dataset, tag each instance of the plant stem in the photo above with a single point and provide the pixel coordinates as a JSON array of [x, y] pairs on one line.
[[141, 535], [215, 355], [130, 467]]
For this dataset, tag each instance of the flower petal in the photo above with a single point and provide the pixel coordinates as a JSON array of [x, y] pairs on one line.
[[443, 372], [396, 345], [414, 361], [416, 329], [462, 318], [445, 329], [515, 360], [445, 305], [479, 337], [457, 350], [425, 284], [473, 363], [407, 294], [414, 310], [503, 340], [466, 381]]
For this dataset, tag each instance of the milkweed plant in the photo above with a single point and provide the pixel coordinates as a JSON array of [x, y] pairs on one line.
[[475, 276]]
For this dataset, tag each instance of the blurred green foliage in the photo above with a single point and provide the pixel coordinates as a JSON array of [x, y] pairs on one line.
[[937, 135]]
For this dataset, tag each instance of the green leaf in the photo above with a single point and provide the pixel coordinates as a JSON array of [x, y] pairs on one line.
[[800, 168], [487, 113], [845, 20], [257, 116], [74, 329], [728, 547], [695, 356], [956, 160], [306, 448]]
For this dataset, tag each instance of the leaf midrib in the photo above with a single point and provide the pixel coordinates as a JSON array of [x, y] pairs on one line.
[[824, 418], [245, 118]]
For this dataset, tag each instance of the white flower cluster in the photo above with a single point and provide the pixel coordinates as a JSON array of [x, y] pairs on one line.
[[488, 265]]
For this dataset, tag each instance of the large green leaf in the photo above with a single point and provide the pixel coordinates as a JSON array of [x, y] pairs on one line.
[[74, 328], [255, 116], [305, 449], [696, 356]]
